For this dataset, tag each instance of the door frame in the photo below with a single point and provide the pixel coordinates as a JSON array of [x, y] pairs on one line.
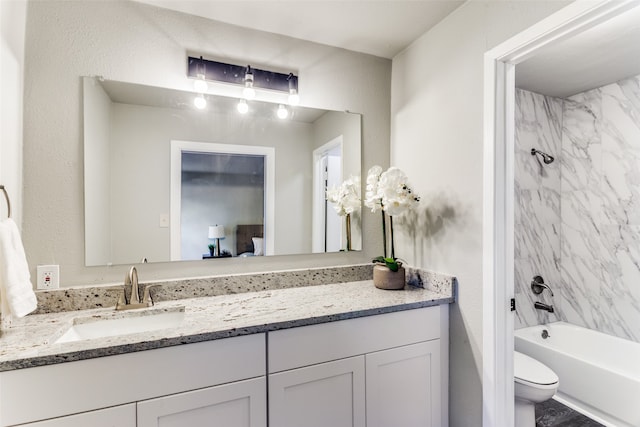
[[175, 201], [498, 191], [318, 216]]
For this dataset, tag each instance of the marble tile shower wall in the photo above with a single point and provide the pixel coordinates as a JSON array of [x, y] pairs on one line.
[[581, 220], [537, 204], [600, 245]]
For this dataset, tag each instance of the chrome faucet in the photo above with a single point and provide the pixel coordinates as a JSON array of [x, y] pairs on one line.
[[538, 285], [134, 301], [542, 306]]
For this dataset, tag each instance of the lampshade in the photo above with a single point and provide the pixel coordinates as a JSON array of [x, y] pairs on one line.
[[216, 232]]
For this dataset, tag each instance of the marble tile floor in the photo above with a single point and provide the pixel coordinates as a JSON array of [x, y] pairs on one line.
[[554, 414]]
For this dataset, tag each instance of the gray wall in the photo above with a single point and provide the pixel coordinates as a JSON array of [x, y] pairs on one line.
[[437, 130], [137, 43]]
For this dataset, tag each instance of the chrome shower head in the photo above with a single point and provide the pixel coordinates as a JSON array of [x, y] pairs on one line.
[[545, 157]]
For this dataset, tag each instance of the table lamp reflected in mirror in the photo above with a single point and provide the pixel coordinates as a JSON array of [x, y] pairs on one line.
[[216, 232]]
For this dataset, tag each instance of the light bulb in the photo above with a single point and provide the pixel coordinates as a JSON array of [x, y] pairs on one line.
[[200, 85], [283, 113], [243, 107], [200, 102], [294, 98], [249, 93]]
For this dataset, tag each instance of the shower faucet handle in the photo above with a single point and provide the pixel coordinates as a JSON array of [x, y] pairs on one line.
[[538, 285]]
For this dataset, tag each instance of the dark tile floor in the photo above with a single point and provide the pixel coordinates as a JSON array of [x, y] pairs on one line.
[[555, 414]]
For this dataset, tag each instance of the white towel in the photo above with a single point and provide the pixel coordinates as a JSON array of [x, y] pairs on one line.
[[15, 281]]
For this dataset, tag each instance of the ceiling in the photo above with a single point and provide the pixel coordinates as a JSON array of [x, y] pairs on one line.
[[378, 27], [601, 55]]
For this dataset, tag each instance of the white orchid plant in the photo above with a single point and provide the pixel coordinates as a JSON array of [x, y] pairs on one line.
[[346, 197], [346, 200], [390, 193]]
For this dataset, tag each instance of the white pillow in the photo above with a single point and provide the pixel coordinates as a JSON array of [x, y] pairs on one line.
[[258, 249]]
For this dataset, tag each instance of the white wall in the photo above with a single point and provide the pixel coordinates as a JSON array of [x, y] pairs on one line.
[[436, 138], [137, 43], [12, 29]]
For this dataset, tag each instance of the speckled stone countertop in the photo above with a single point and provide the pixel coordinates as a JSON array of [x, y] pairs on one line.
[[30, 341]]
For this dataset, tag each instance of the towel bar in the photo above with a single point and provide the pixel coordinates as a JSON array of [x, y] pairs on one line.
[[6, 196]]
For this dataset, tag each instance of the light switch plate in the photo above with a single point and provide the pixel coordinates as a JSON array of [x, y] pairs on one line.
[[48, 277]]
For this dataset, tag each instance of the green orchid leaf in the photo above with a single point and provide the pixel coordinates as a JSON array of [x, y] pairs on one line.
[[392, 264], [379, 259]]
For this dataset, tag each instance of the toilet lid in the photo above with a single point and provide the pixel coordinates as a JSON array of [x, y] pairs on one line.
[[528, 370]]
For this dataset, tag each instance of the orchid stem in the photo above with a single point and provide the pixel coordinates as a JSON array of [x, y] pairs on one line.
[[393, 250], [384, 233]]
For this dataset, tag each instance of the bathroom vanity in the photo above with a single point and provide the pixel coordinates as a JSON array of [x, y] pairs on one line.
[[344, 354]]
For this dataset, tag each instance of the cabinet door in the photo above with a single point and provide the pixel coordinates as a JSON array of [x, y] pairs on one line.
[[119, 416], [239, 404], [325, 395], [403, 386]]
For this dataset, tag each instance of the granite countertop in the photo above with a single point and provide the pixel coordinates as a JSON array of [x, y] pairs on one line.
[[30, 341]]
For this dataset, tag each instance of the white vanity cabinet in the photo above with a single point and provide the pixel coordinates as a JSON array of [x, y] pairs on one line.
[[379, 371], [382, 370]]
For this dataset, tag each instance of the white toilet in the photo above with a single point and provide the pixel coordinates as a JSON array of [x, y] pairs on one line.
[[534, 383]]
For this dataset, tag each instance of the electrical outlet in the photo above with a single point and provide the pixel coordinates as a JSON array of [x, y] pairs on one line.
[[48, 277]]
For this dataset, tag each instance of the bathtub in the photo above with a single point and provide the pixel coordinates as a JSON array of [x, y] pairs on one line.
[[599, 374]]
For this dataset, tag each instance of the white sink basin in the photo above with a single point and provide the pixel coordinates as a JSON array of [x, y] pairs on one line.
[[130, 323]]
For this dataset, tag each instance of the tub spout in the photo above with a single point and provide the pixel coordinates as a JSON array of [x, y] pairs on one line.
[[542, 306]]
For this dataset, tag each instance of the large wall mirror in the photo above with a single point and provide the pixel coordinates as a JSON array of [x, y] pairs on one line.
[[164, 180]]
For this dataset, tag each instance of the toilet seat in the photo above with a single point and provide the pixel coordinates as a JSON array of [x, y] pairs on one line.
[[528, 371]]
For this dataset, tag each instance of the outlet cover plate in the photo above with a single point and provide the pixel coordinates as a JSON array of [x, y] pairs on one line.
[[48, 277]]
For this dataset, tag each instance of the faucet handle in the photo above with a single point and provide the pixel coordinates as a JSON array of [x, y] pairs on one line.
[[538, 285], [146, 296]]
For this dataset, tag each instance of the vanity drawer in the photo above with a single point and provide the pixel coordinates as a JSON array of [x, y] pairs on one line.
[[33, 394], [308, 345]]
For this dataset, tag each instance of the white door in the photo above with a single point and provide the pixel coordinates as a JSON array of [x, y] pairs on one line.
[[325, 395], [239, 404], [403, 386], [118, 416]]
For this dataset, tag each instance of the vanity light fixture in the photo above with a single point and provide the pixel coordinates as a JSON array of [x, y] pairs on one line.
[[243, 76], [282, 113], [200, 102], [294, 98], [248, 92], [243, 107]]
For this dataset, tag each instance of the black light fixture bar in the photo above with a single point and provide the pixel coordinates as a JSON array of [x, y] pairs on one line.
[[235, 74]]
